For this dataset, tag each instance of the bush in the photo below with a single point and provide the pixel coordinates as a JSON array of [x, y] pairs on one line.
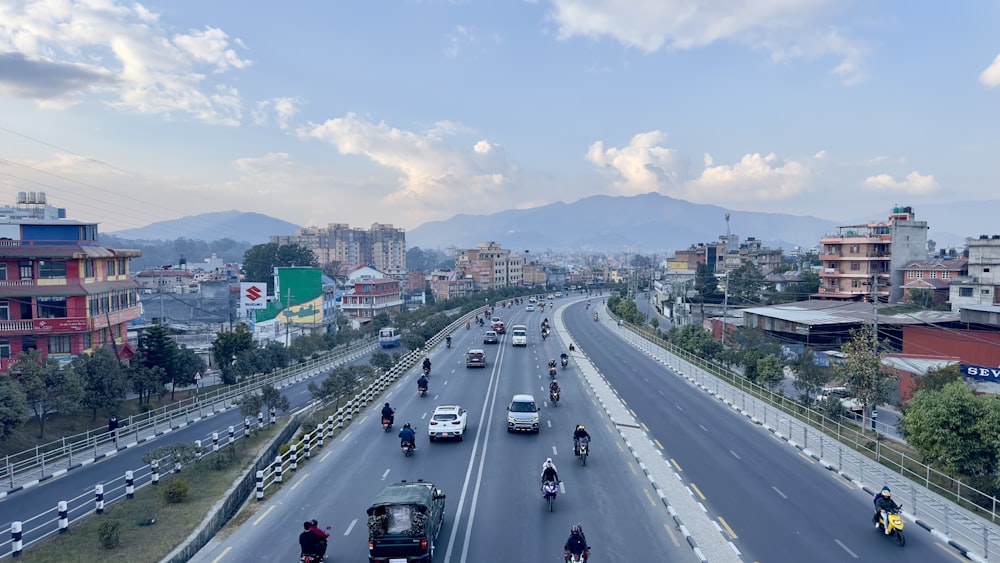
[[109, 533], [222, 459], [176, 491]]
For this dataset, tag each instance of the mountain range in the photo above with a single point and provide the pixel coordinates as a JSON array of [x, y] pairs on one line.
[[642, 223]]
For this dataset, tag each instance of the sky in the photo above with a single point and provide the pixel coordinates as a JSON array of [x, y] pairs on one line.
[[402, 112]]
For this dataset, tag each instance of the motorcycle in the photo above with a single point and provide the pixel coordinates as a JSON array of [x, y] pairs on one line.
[[554, 397], [596, 317], [407, 448], [422, 391], [565, 361], [468, 325], [386, 424], [552, 372], [575, 558], [427, 371], [545, 333], [310, 558], [895, 526], [447, 343], [549, 491], [583, 450]]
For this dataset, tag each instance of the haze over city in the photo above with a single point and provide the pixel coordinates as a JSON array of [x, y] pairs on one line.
[[404, 112]]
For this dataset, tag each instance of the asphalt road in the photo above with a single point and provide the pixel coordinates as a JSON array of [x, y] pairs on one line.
[[494, 509], [776, 504]]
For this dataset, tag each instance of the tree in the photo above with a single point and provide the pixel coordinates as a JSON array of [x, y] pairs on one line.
[[187, 365], [745, 284], [47, 387], [104, 383], [272, 398], [923, 298], [809, 377], [747, 347], [13, 406], [260, 261], [228, 346], [937, 378], [770, 371], [696, 340], [145, 380], [251, 404], [955, 428], [707, 285], [336, 386], [381, 360], [159, 350], [861, 370]]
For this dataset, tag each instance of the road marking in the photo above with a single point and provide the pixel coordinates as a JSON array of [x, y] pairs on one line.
[[549, 422], [644, 427], [554, 451], [695, 487], [844, 547], [650, 497], [346, 434], [386, 474], [326, 455], [423, 416], [634, 472], [807, 458], [619, 444], [735, 455], [350, 527], [661, 393], [726, 526], [779, 492], [562, 488], [703, 428], [670, 533], [658, 444], [949, 551], [300, 480], [680, 408], [223, 554], [264, 515], [675, 465]]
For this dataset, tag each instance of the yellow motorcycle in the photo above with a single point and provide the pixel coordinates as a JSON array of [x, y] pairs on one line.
[[895, 526]]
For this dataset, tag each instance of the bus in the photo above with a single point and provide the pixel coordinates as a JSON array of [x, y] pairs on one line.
[[388, 337]]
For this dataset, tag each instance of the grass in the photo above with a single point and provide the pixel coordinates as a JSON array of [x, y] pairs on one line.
[[174, 522]]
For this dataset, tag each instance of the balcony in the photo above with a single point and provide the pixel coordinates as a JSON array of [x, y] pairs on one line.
[[45, 326]]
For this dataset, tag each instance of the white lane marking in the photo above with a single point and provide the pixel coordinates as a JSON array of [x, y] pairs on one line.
[[423, 416], [350, 527], [735, 454], [555, 451], [703, 428], [660, 392], [562, 488], [680, 408], [549, 422], [386, 474], [779, 492], [841, 544], [436, 397], [446, 382]]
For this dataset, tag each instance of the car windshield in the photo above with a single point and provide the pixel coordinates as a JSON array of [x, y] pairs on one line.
[[445, 417], [522, 407]]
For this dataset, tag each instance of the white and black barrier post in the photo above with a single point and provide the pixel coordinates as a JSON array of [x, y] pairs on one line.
[[260, 484], [215, 442], [277, 468], [63, 509], [274, 418], [232, 434], [15, 538], [293, 455], [246, 426], [154, 472], [129, 485], [260, 420], [99, 501]]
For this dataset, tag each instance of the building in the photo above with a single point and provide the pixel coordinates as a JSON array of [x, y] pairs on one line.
[[861, 260], [60, 291], [373, 293], [166, 280], [934, 275], [382, 247], [754, 252], [490, 266], [980, 285]]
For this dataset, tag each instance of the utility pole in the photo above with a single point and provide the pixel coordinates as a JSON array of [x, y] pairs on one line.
[[874, 293], [725, 289]]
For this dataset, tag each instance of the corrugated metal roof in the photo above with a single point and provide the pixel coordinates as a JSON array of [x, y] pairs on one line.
[[916, 366], [826, 312]]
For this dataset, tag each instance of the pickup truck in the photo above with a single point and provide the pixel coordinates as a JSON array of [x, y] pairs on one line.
[[849, 403], [404, 521]]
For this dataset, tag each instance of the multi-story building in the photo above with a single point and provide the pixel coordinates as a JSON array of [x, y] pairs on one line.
[[61, 292], [382, 247], [373, 293], [934, 275], [982, 284], [490, 266], [754, 251], [858, 256]]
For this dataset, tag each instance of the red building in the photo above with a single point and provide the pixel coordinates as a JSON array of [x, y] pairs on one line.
[[60, 291], [372, 294]]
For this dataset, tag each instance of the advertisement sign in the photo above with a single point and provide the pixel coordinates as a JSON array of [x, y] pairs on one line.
[[253, 295], [75, 324], [981, 373]]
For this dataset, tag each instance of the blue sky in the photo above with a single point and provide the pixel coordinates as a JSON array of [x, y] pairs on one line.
[[402, 112]]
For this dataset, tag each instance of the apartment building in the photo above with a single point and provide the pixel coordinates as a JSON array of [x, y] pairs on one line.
[[981, 284], [60, 291], [934, 275], [490, 266], [381, 246], [856, 256], [372, 293]]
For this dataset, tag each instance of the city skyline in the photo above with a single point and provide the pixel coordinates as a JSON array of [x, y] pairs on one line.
[[403, 113]]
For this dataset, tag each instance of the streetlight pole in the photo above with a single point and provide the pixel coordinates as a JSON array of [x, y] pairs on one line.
[[725, 289]]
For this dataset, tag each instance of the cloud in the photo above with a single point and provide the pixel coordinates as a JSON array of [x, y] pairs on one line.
[[281, 110], [788, 29], [120, 52], [914, 183], [820, 155], [432, 171], [991, 76], [643, 166]]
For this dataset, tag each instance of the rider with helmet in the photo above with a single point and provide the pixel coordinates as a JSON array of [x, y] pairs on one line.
[[576, 544], [578, 434], [422, 383], [554, 386], [311, 544], [549, 472], [447, 340], [407, 435], [883, 505], [427, 365], [389, 412]]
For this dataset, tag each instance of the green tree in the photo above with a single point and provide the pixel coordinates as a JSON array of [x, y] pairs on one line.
[[861, 370], [955, 428], [707, 286], [770, 371], [158, 349], [747, 347], [145, 380], [809, 377], [381, 360], [105, 385], [251, 404], [937, 378], [187, 364], [260, 261], [745, 284], [271, 397], [228, 346], [13, 406], [337, 385], [47, 387], [923, 298], [696, 340]]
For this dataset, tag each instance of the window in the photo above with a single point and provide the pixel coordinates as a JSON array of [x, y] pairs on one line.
[[121, 267], [4, 311], [88, 268], [855, 266], [109, 268], [933, 274], [920, 275], [984, 291], [51, 269], [5, 349], [3, 270], [854, 249], [59, 344], [88, 340], [965, 292], [945, 275], [910, 274], [26, 270], [986, 270], [51, 307]]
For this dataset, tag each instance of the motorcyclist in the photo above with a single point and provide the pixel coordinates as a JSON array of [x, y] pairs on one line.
[[576, 544], [309, 542], [447, 340], [549, 472], [552, 363], [389, 412], [422, 383], [578, 434], [554, 387], [407, 435], [564, 358], [324, 537], [884, 505], [427, 365]]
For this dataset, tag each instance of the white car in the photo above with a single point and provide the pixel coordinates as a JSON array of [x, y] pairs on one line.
[[529, 308], [448, 421]]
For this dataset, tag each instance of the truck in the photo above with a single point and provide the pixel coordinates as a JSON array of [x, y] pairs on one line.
[[404, 521], [850, 403], [519, 335]]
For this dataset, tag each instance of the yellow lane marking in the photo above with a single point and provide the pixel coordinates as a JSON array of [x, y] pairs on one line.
[[221, 555], [650, 497], [658, 444], [299, 480], [675, 464], [262, 516], [696, 490], [726, 526], [949, 551], [620, 447], [807, 458], [633, 412], [644, 427], [673, 538], [634, 472]]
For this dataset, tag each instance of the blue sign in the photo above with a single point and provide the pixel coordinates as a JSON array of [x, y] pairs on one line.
[[981, 373]]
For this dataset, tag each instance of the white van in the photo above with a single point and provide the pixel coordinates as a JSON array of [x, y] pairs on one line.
[[519, 335]]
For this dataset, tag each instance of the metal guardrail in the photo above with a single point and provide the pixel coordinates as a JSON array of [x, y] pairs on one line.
[[935, 499], [45, 460]]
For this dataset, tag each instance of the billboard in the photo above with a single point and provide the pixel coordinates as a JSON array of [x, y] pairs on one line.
[[253, 295], [298, 297], [981, 373]]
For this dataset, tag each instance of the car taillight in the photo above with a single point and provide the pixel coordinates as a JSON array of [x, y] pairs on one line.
[[423, 543], [371, 545], [455, 422]]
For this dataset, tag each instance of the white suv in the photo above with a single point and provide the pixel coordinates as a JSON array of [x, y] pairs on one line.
[[448, 421], [522, 414]]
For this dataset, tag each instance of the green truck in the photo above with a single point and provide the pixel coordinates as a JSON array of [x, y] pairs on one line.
[[404, 521]]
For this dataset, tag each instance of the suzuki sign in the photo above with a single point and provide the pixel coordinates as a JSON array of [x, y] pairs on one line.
[[253, 295]]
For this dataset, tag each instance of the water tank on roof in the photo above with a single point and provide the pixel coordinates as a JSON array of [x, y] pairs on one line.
[[32, 198], [983, 237], [41, 197], [22, 197]]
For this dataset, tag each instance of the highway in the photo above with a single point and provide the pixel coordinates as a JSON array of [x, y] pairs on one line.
[[494, 508]]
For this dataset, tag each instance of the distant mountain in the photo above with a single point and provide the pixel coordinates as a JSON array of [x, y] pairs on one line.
[[642, 223], [254, 228]]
